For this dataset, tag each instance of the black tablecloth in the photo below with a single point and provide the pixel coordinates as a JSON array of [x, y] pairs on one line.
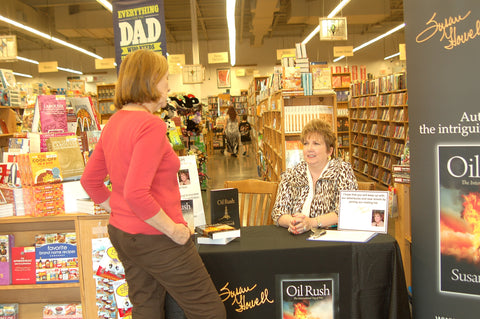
[[371, 278]]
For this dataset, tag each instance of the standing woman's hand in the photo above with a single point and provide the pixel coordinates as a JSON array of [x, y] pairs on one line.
[[181, 234]]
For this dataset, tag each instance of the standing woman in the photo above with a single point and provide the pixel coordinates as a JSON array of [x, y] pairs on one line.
[[146, 225], [232, 133]]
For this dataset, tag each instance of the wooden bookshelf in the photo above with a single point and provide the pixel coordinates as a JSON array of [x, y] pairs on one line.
[[342, 89], [105, 95], [255, 116], [283, 119], [378, 126]]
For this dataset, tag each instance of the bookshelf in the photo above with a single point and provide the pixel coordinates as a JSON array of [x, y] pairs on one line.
[[105, 95], [378, 125], [255, 116], [283, 119], [341, 86]]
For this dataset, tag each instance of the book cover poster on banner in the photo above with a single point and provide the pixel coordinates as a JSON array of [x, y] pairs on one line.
[[459, 218], [307, 296], [190, 191], [138, 24]]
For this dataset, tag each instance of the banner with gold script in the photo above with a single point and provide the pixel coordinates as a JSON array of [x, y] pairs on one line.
[[443, 41], [138, 24]]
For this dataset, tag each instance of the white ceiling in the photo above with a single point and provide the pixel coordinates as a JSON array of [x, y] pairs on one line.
[[87, 24]]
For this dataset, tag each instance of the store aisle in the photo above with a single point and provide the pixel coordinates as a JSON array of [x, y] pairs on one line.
[[221, 168]]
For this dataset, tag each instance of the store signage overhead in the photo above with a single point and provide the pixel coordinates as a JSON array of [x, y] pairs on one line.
[[285, 52], [8, 48], [175, 63], [138, 24], [403, 51], [333, 29], [45, 67], [105, 63], [343, 51], [218, 57]]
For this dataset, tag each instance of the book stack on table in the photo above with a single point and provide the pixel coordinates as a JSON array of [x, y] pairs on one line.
[[216, 234]]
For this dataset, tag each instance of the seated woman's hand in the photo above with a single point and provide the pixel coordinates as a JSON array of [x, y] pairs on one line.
[[299, 224]]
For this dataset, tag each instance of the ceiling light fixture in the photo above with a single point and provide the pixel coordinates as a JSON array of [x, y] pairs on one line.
[[332, 14], [22, 74], [107, 5], [391, 56], [231, 29], [59, 68], [48, 37], [361, 46]]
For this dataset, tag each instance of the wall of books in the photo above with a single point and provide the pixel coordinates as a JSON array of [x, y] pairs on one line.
[[378, 125]]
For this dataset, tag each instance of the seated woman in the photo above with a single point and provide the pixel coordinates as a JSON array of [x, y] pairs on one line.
[[308, 193]]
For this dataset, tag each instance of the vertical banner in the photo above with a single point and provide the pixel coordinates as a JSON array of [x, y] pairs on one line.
[[443, 42], [138, 24]]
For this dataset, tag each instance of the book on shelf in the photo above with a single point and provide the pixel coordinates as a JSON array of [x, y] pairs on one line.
[[218, 231], [7, 242], [62, 311], [23, 265], [50, 114], [224, 207], [293, 153], [86, 118], [336, 81], [69, 156], [321, 77]]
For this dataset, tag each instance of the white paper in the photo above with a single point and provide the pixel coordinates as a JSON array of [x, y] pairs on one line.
[[354, 236]]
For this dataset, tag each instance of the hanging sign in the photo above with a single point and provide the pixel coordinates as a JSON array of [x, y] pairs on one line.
[[8, 48], [285, 52], [105, 63], [44, 67], [175, 63], [403, 51], [218, 57], [343, 51], [138, 24], [333, 29]]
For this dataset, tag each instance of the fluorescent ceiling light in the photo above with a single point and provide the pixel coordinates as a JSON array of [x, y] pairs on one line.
[[24, 75], [69, 70], [107, 5], [391, 56], [231, 29], [330, 15], [361, 46], [59, 68], [48, 37]]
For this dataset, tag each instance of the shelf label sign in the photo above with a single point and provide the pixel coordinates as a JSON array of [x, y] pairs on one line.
[[138, 24], [343, 51], [285, 52], [175, 63], [105, 63], [45, 67]]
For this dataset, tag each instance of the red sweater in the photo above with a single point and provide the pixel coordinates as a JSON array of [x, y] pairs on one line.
[[135, 152]]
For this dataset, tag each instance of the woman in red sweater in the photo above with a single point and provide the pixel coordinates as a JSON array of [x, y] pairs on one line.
[[146, 225]]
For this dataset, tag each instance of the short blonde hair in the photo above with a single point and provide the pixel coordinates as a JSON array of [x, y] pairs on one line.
[[138, 77], [322, 128]]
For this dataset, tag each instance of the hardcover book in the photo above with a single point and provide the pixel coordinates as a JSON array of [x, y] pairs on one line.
[[69, 156], [209, 241], [218, 231], [86, 118], [50, 114], [307, 296], [6, 244], [224, 207], [23, 265], [459, 215]]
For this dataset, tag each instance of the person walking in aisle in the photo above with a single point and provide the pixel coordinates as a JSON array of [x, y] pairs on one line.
[[245, 129], [309, 193], [232, 132], [146, 226]]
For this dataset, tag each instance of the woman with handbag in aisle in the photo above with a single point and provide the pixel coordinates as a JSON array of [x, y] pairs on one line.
[[146, 226]]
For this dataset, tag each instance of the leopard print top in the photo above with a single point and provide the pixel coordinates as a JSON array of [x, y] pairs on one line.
[[293, 189]]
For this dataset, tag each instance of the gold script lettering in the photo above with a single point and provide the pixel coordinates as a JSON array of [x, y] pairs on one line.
[[240, 300], [448, 29]]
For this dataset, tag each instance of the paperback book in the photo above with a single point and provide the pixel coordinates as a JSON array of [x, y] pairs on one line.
[[50, 114], [23, 265], [69, 156], [6, 244], [218, 231], [459, 215], [224, 207], [307, 296]]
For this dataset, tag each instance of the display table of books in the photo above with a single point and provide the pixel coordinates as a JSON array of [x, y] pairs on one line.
[[269, 273]]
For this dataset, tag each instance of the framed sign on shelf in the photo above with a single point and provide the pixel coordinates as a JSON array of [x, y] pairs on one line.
[[223, 78]]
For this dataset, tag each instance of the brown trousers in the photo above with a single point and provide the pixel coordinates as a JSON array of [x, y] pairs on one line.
[[154, 264]]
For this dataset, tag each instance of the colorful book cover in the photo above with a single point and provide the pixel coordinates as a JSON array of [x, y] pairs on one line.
[[224, 207], [86, 117], [459, 218], [52, 114], [187, 211], [307, 296], [6, 244], [23, 265]]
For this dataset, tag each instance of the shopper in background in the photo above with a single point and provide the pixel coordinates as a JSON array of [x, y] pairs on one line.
[[308, 193], [232, 132], [146, 226], [245, 129]]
